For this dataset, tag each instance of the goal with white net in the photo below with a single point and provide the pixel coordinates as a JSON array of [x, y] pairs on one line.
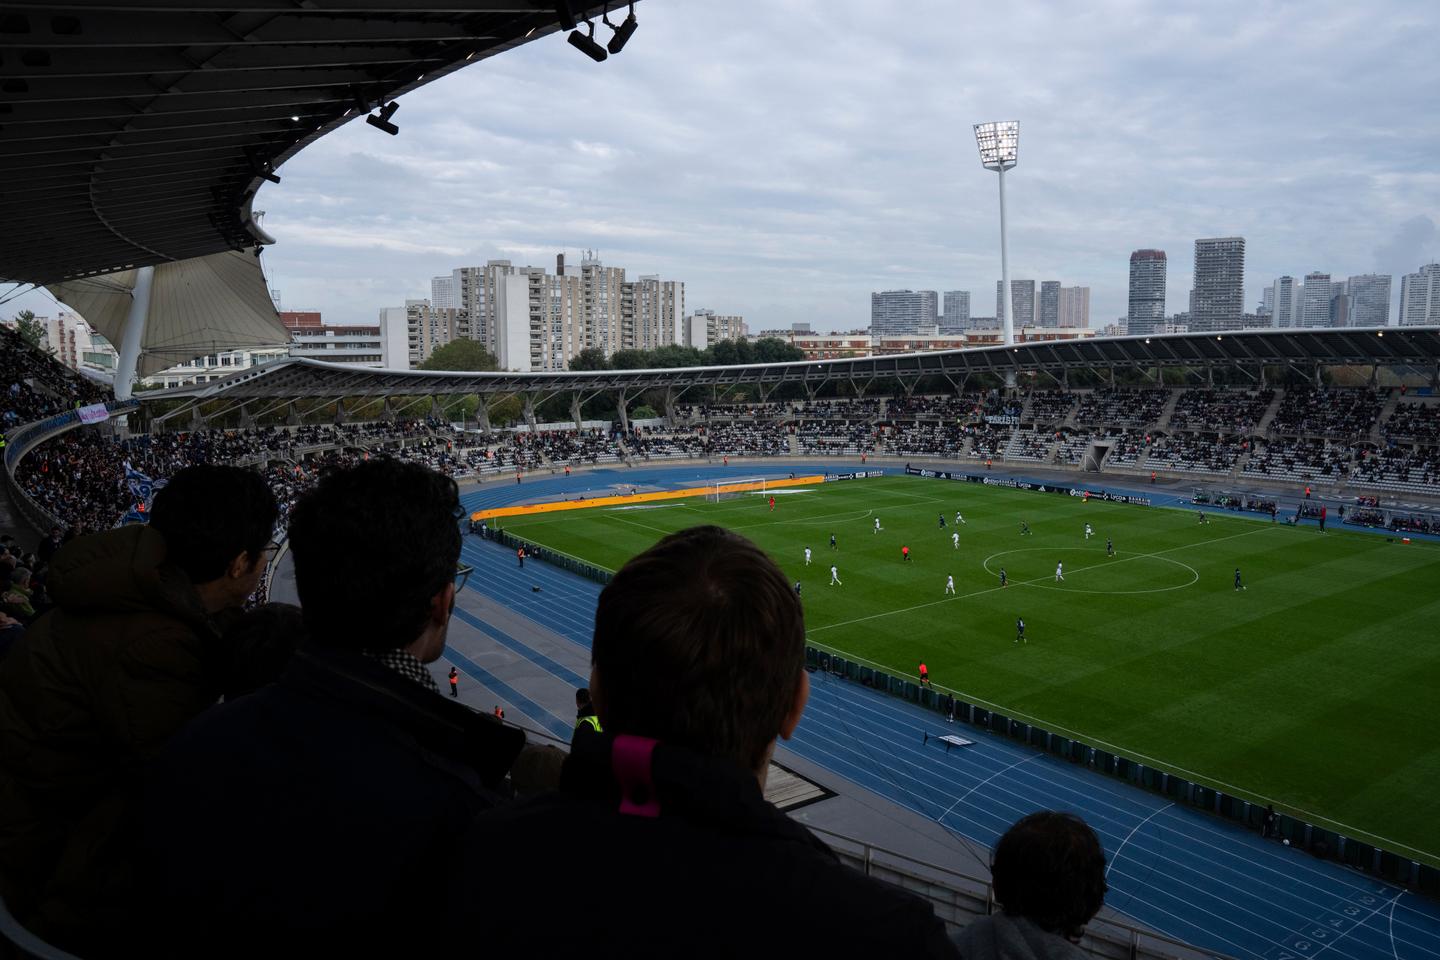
[[731, 489]]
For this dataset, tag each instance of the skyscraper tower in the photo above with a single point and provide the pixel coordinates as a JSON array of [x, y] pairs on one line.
[[1315, 307], [1147, 292], [1217, 301]]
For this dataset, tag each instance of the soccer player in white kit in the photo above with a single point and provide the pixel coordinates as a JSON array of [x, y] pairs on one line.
[[877, 525], [1059, 572], [1088, 531], [807, 556], [955, 540], [834, 576], [958, 518], [950, 584]]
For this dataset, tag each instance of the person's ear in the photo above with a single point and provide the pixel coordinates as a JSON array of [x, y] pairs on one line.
[[244, 564], [797, 709]]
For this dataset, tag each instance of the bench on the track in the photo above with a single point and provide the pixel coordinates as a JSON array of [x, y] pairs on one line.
[[950, 740]]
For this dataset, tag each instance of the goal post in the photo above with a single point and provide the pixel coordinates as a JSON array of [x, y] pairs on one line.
[[732, 489]]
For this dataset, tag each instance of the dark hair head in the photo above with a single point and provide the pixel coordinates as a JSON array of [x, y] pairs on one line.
[[700, 642], [259, 645], [582, 697], [209, 515], [1049, 868], [373, 544]]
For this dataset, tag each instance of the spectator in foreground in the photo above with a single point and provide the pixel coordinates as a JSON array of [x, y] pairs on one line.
[[319, 814], [1049, 875], [127, 657], [698, 666]]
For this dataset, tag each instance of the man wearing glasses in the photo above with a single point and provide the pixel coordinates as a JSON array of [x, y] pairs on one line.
[[327, 804]]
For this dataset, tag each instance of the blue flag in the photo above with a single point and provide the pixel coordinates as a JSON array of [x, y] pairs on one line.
[[142, 491]]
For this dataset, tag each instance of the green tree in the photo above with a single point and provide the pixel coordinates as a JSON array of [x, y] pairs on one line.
[[775, 350], [462, 354], [32, 331], [674, 355], [591, 358], [628, 360]]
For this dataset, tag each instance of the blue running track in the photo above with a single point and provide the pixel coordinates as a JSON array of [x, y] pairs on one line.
[[1172, 868]]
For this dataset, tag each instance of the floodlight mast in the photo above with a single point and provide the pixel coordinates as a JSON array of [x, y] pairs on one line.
[[999, 143]]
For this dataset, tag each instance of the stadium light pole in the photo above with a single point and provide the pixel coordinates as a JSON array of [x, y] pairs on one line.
[[999, 143]]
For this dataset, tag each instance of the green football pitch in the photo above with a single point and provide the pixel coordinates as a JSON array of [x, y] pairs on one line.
[[1316, 686]]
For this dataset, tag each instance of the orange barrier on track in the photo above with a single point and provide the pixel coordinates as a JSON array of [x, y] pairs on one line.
[[527, 509]]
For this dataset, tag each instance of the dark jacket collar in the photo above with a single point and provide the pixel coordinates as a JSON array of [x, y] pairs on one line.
[[718, 793], [433, 720]]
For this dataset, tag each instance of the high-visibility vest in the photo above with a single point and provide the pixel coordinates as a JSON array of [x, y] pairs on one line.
[[592, 721]]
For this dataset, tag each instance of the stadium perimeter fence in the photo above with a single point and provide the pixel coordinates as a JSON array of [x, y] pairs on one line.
[[1319, 840]]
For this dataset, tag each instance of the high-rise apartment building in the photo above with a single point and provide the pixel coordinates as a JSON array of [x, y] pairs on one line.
[[658, 312], [1147, 292], [1285, 301], [442, 293], [1315, 301], [902, 311], [1420, 296], [1075, 307], [1022, 302], [1339, 304], [956, 315], [706, 327], [1217, 301], [426, 327], [1049, 304], [1369, 300]]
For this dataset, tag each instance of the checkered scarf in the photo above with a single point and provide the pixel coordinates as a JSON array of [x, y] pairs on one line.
[[405, 664]]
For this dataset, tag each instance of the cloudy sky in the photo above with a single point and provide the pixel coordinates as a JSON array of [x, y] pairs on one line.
[[785, 158]]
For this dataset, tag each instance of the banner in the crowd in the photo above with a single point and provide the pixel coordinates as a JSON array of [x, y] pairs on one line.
[[857, 475], [1000, 420], [94, 413], [1062, 489], [142, 491]]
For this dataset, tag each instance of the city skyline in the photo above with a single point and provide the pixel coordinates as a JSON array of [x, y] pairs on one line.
[[771, 182]]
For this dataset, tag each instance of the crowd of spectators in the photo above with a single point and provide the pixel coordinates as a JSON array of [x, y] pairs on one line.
[[754, 439], [947, 407], [652, 444], [987, 440], [1033, 445], [1400, 467], [1126, 448], [1195, 453], [1220, 411], [1415, 422], [1050, 407], [34, 385], [1122, 407], [835, 437], [1415, 524], [1333, 414], [923, 438], [1299, 459]]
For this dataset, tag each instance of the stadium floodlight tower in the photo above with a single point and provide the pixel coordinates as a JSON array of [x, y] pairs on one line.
[[999, 143]]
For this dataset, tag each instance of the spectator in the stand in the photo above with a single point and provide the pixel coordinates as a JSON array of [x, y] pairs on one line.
[[586, 722], [1049, 875], [698, 667], [46, 550], [317, 814], [11, 630], [130, 654]]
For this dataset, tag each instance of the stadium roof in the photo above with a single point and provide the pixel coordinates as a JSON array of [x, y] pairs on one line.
[[137, 132], [1300, 349]]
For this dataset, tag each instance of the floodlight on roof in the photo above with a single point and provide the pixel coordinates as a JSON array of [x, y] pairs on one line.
[[624, 30], [999, 143], [382, 122], [587, 44]]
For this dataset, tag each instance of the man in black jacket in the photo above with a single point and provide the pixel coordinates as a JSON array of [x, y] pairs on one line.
[[698, 665], [321, 812]]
